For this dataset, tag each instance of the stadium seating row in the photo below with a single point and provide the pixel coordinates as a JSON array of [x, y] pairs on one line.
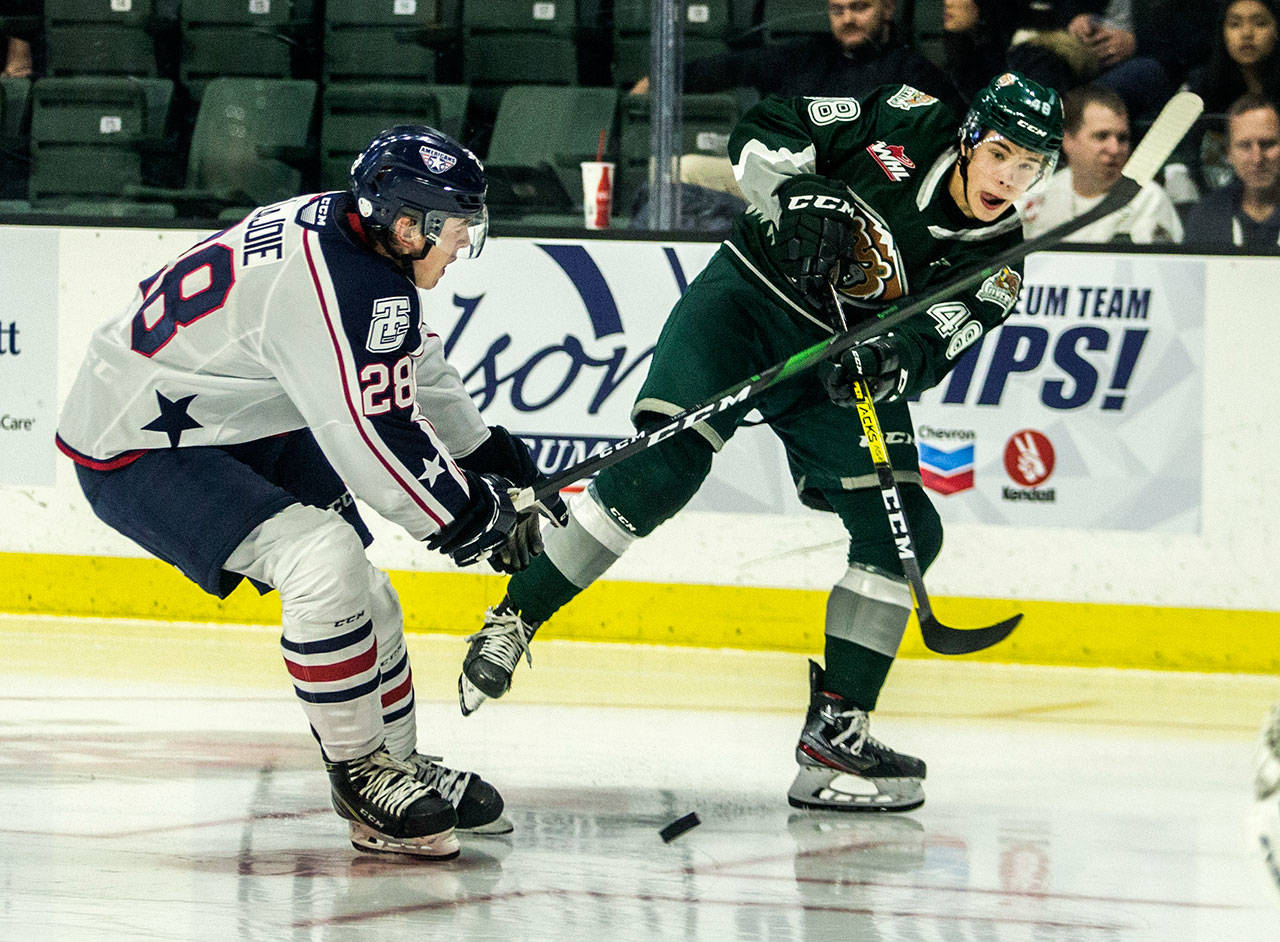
[[477, 42], [258, 140]]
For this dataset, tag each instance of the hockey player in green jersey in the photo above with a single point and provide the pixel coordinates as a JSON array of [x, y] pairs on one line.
[[854, 203]]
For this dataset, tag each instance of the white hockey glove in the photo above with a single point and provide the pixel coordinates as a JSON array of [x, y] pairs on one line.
[[484, 525], [876, 362]]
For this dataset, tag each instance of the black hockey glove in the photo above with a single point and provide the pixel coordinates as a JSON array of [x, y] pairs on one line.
[[814, 240], [503, 453], [484, 525], [877, 362]]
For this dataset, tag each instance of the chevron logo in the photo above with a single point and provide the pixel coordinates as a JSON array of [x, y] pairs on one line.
[[946, 471]]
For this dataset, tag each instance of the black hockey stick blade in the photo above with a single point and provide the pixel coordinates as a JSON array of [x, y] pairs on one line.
[[939, 638], [942, 639], [1169, 127]]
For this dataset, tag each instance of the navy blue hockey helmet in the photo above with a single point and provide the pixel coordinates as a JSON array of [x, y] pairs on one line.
[[425, 173]]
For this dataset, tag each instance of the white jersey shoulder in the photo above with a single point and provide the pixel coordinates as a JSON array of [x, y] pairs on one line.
[[277, 323]]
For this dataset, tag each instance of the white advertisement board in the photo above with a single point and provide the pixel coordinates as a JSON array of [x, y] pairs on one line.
[[28, 355], [1084, 409], [553, 339]]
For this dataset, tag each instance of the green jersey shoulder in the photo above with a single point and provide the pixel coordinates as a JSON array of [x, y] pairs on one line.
[[895, 149]]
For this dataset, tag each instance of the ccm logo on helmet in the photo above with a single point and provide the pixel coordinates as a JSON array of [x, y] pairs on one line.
[[1023, 123], [804, 200]]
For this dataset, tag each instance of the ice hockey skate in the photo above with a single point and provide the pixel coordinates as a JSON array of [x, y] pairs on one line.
[[389, 810], [842, 768], [1264, 819], [494, 653], [477, 803]]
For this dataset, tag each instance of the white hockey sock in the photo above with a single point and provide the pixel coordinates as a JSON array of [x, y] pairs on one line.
[[315, 561], [396, 688], [870, 608]]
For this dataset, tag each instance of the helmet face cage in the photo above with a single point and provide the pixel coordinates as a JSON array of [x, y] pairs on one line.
[[477, 229], [417, 171]]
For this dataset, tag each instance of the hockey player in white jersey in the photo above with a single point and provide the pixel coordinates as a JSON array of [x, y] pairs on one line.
[[216, 419]]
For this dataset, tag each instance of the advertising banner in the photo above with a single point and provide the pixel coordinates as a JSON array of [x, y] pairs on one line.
[[1084, 409], [28, 355], [553, 339]]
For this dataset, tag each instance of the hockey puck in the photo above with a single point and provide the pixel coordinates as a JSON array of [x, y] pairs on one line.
[[679, 826]]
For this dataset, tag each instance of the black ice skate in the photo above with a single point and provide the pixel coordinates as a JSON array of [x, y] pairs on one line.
[[389, 810], [842, 767], [494, 653], [478, 804]]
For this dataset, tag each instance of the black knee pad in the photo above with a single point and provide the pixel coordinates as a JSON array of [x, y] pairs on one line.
[[871, 541], [653, 484]]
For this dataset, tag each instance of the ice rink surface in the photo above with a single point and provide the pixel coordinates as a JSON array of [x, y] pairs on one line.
[[158, 782]]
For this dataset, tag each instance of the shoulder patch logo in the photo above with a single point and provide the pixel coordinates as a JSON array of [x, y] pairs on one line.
[[907, 98], [315, 214], [830, 110], [875, 273], [388, 324], [437, 161], [1001, 289], [892, 160]]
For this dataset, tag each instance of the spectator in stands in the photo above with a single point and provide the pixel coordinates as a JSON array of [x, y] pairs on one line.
[[1096, 143], [1243, 60], [984, 38], [18, 62], [864, 50], [1246, 212], [21, 47], [976, 35], [1145, 47]]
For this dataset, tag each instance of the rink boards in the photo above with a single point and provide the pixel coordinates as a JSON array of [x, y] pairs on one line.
[[1101, 463]]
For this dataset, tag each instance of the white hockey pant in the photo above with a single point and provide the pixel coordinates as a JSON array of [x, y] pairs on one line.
[[342, 630]]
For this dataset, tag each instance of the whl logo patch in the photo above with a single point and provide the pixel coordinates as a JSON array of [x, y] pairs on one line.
[[892, 160]]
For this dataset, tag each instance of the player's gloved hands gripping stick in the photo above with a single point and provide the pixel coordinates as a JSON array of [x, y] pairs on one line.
[[483, 525], [507, 455], [815, 234], [878, 362]]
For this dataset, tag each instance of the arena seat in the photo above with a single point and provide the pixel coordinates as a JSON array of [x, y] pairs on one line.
[[89, 135], [249, 145], [351, 113]]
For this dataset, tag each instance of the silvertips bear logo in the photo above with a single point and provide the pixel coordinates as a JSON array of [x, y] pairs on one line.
[[437, 161]]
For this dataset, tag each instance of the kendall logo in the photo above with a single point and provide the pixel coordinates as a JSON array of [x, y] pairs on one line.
[[892, 160], [1029, 461], [437, 161], [1029, 458]]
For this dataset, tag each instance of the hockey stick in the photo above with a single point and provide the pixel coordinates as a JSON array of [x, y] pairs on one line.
[[937, 637], [1166, 132]]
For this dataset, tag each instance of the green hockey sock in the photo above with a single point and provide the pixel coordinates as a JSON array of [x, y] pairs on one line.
[[855, 673], [539, 591]]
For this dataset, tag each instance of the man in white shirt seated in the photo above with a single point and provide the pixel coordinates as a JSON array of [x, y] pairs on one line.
[[1096, 145]]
